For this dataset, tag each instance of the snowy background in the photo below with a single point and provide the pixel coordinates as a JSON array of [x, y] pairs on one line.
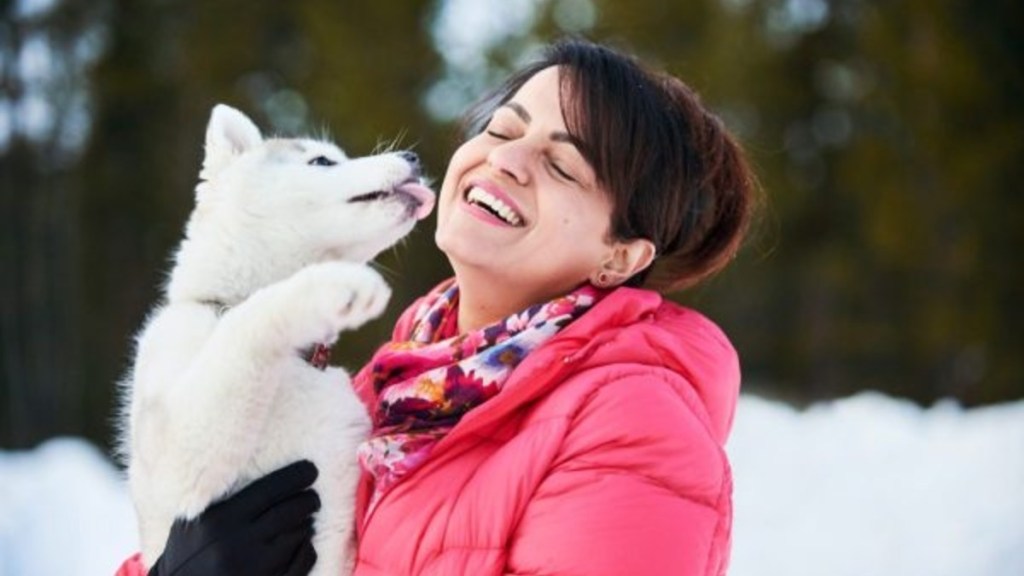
[[867, 485]]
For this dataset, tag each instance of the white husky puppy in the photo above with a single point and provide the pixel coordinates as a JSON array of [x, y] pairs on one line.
[[273, 263]]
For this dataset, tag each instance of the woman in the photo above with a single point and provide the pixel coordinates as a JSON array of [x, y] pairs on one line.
[[545, 411]]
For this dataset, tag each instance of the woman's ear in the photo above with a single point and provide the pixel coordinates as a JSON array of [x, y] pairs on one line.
[[627, 257]]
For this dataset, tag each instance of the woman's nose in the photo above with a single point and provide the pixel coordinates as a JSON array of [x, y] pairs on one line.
[[511, 158]]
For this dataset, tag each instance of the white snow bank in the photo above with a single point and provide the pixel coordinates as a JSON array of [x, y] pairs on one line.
[[63, 510], [872, 485]]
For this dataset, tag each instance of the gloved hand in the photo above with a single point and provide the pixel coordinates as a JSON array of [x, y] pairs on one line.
[[264, 530]]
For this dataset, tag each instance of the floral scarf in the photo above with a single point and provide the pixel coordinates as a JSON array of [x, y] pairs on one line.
[[426, 384]]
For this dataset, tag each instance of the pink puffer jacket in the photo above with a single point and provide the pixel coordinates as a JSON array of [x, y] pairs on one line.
[[603, 455]]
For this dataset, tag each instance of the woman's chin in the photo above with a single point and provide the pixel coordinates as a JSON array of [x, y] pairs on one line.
[[470, 250], [476, 266]]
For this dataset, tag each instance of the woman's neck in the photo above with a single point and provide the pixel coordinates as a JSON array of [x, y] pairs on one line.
[[485, 299], [482, 304]]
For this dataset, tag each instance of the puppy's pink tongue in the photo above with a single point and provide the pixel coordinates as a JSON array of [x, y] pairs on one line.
[[424, 195]]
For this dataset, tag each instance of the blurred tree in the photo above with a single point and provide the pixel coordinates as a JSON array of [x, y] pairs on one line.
[[935, 165], [887, 137], [46, 50]]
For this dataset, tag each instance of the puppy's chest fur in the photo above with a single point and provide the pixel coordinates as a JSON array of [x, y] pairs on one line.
[[223, 400]]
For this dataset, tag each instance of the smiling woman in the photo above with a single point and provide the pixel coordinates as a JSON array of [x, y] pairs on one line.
[[586, 184]]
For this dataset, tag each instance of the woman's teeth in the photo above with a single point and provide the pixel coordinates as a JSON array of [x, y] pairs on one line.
[[488, 201]]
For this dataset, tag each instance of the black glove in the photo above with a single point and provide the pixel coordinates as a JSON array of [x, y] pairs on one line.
[[264, 530]]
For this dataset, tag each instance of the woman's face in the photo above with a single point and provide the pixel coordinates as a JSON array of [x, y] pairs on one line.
[[519, 206]]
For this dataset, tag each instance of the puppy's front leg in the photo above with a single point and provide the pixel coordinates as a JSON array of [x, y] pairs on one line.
[[230, 387]]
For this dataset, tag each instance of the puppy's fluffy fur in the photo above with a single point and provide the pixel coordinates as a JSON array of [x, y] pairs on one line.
[[273, 262]]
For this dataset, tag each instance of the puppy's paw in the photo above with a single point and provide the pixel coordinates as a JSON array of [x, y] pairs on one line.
[[335, 296]]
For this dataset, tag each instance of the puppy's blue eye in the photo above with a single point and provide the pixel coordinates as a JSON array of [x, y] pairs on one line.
[[322, 161]]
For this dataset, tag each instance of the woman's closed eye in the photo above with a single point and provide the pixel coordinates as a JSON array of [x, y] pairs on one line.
[[503, 125], [561, 172], [497, 134], [501, 130]]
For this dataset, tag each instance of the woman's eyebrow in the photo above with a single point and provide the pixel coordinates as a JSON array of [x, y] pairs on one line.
[[519, 110], [568, 139]]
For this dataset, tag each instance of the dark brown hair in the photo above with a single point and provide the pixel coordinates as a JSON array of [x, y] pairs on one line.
[[674, 173]]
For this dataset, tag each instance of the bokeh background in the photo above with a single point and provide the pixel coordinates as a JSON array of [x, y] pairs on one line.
[[888, 137]]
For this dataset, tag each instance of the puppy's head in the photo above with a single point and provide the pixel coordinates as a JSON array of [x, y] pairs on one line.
[[304, 200]]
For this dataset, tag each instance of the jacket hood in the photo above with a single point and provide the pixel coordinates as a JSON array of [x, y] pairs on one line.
[[660, 333]]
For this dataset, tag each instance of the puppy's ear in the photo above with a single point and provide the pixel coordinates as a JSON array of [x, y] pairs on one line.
[[229, 134]]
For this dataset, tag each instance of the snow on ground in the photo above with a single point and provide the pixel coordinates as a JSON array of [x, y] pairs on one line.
[[864, 485], [63, 510], [874, 486]]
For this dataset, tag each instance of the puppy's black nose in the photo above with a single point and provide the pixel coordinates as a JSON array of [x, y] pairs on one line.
[[411, 158]]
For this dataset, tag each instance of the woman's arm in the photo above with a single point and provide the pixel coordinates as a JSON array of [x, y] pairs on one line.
[[640, 487]]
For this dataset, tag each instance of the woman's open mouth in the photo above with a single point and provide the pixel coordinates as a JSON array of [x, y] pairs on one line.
[[494, 205]]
